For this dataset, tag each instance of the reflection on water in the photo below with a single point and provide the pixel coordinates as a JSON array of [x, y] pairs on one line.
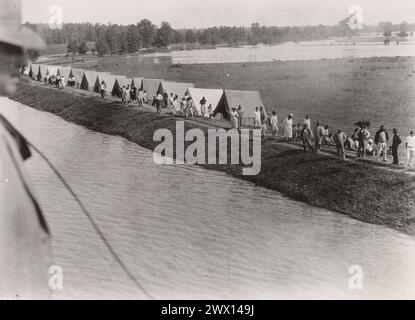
[[186, 232], [312, 50]]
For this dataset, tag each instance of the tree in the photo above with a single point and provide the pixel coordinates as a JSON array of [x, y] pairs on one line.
[[82, 48], [190, 36], [147, 32], [123, 42], [177, 37], [254, 34], [112, 36], [403, 28], [133, 41], [386, 28], [72, 46], [101, 43], [164, 35]]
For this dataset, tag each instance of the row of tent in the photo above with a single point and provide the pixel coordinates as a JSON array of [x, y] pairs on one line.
[[222, 101]]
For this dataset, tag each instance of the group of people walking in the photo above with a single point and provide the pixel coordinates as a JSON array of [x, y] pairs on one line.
[[260, 120], [305, 134], [55, 80], [313, 138], [183, 107], [379, 147], [129, 94]]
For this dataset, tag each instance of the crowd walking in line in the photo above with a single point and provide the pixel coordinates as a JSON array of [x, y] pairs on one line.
[[55, 80], [310, 138], [360, 141]]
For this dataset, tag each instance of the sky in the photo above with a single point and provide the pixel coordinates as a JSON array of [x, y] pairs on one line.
[[208, 13]]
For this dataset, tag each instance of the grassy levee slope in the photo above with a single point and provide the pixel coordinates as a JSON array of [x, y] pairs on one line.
[[360, 190]]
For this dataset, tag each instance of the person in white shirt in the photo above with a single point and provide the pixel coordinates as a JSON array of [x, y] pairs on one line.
[[63, 82], [319, 134], [176, 105], [274, 124], [159, 98], [235, 118], [141, 98], [202, 104], [171, 99], [210, 111], [127, 95], [326, 135], [257, 118], [307, 121], [288, 128], [410, 149]]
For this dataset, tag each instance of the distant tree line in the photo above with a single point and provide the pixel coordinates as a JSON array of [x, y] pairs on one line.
[[114, 38]]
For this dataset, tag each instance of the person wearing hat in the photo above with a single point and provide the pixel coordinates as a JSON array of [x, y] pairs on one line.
[[381, 141], [363, 136], [24, 244], [410, 149], [396, 141], [14, 39]]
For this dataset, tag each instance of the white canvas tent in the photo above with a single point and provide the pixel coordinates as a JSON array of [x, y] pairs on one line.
[[212, 96], [88, 80], [52, 70], [78, 74], [64, 71], [137, 82], [34, 71], [109, 80], [43, 69], [177, 88], [98, 80], [151, 87], [248, 100], [119, 83]]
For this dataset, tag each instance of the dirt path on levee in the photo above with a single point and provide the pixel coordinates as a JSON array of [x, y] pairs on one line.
[[221, 124]]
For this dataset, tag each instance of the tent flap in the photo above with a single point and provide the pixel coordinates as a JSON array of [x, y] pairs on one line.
[[78, 74], [64, 71], [89, 79], [177, 88], [212, 97], [151, 87]]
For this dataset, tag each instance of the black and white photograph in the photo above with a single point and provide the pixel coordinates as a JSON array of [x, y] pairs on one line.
[[207, 150]]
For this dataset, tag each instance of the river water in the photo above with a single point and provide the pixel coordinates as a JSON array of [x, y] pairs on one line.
[[311, 50], [189, 233]]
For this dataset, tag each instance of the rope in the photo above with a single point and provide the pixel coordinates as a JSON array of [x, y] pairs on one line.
[[91, 220]]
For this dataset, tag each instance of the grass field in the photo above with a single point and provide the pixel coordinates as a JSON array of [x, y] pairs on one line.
[[336, 92], [358, 189]]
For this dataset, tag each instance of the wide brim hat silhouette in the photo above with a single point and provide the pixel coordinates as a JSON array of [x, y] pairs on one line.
[[12, 31]]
